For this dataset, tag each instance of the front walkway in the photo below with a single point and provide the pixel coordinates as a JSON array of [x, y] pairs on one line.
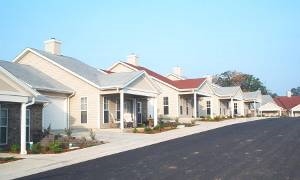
[[118, 142]]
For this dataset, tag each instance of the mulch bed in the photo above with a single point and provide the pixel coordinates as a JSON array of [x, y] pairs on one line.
[[8, 159]]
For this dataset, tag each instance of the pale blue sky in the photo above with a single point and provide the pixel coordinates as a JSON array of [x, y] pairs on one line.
[[260, 37]]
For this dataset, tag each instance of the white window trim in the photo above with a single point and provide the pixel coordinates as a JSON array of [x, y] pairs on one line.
[[104, 109], [166, 105], [117, 120], [28, 112], [4, 126], [208, 106], [87, 114]]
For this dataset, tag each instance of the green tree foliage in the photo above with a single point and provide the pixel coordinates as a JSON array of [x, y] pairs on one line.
[[296, 91], [247, 82]]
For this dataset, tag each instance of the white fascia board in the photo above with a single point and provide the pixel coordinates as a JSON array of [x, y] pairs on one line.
[[139, 92], [120, 62]]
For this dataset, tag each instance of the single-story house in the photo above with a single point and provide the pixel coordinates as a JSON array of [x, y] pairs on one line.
[[178, 94], [99, 99], [290, 104], [269, 107]]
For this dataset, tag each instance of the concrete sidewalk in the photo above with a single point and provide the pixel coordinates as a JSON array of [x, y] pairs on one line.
[[118, 142]]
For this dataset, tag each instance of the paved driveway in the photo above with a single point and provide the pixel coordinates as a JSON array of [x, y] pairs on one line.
[[267, 149]]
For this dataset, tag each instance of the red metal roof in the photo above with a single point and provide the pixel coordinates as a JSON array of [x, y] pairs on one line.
[[287, 102], [189, 83], [180, 84]]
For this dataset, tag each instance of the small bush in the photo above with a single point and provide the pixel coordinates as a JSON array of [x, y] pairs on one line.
[[157, 127], [68, 132], [15, 148], [36, 148], [92, 134], [148, 130], [55, 147], [135, 130]]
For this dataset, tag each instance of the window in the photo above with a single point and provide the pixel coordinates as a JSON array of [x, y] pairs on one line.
[[235, 109], [27, 125], [3, 125], [166, 105], [181, 110], [208, 108], [105, 110], [187, 107], [83, 108], [139, 113], [118, 109]]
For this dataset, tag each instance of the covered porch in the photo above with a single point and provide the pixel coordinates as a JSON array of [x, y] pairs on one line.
[[127, 109], [231, 107], [193, 105]]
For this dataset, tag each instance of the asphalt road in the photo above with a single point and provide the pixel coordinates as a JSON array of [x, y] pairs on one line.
[[266, 149]]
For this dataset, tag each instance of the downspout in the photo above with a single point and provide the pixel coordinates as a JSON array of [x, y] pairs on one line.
[[23, 126], [31, 103], [68, 109]]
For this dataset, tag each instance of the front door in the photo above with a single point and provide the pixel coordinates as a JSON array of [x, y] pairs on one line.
[[139, 113]]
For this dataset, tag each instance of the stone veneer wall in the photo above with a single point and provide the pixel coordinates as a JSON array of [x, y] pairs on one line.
[[14, 117]]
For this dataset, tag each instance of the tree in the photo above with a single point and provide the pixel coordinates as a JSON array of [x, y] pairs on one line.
[[247, 82], [296, 91]]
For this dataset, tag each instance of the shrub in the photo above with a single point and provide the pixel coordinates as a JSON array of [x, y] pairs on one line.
[[68, 132], [92, 134], [55, 147], [157, 127], [148, 130], [15, 148], [36, 148], [135, 130]]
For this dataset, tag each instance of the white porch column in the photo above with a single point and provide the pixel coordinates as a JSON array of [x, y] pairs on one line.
[[23, 129], [279, 112], [243, 108], [121, 109], [155, 118], [254, 105], [134, 113], [195, 105], [232, 107], [292, 113]]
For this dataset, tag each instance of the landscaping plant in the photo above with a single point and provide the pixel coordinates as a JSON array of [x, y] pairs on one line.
[[15, 148]]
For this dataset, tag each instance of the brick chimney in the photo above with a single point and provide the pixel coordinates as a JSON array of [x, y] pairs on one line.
[[133, 59], [53, 46]]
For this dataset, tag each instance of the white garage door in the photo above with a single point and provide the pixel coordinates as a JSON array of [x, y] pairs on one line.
[[297, 114], [55, 113]]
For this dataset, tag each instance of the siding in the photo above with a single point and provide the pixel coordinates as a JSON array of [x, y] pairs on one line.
[[6, 84], [82, 89]]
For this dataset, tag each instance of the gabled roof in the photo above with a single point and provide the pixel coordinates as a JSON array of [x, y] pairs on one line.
[[119, 80], [267, 99], [34, 78], [189, 83], [86, 72], [287, 102], [180, 84], [226, 91], [252, 95]]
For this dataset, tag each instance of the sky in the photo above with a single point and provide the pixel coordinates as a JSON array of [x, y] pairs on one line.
[[204, 37]]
